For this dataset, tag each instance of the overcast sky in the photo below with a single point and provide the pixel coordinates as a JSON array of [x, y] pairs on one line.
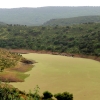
[[41, 3]]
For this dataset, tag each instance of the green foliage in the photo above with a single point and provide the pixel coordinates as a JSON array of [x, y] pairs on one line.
[[64, 96], [8, 92], [47, 95], [8, 59], [76, 39], [36, 93]]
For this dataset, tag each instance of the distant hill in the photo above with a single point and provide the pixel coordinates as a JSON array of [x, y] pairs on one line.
[[1, 23], [71, 21], [38, 16]]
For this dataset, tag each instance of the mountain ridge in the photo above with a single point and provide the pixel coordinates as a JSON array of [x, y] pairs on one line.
[[73, 20], [37, 16]]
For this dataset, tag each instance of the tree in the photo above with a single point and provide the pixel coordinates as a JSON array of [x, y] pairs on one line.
[[47, 95]]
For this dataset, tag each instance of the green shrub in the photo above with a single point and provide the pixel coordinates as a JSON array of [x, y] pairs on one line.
[[58, 96], [64, 96], [47, 95]]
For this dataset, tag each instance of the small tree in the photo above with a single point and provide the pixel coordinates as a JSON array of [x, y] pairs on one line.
[[47, 95], [58, 96]]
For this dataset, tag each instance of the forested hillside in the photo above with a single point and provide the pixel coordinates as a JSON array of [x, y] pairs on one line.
[[80, 39], [38, 16], [71, 21]]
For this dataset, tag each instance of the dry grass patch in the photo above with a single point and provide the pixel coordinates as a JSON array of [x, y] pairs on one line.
[[17, 73], [22, 67], [10, 77], [13, 66]]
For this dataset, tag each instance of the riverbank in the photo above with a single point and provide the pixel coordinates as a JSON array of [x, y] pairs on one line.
[[24, 51]]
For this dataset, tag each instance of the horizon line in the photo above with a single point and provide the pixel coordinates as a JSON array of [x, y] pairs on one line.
[[46, 6]]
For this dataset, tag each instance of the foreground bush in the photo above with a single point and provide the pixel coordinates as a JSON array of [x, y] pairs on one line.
[[8, 92], [64, 96], [47, 95]]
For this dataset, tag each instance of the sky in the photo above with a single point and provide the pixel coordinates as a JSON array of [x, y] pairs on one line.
[[42, 3]]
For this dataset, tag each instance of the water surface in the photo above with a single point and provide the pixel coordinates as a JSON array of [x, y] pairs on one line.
[[57, 73]]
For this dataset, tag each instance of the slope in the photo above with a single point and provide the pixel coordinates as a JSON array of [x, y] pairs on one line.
[[37, 16], [71, 21], [80, 39]]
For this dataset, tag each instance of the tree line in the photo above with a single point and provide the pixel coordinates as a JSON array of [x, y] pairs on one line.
[[77, 39]]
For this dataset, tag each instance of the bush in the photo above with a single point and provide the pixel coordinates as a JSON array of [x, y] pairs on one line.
[[47, 95], [64, 96], [58, 96]]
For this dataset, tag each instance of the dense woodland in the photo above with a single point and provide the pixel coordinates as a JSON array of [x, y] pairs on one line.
[[76, 39]]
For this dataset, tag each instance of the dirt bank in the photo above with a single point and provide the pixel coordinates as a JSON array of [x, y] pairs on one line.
[[24, 51]]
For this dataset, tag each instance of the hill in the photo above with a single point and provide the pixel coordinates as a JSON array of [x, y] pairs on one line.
[[71, 21], [76, 39], [38, 16]]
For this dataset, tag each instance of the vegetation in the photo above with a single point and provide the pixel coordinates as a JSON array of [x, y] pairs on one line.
[[8, 59], [47, 95], [64, 96], [76, 39], [71, 21], [8, 92], [12, 66], [38, 16]]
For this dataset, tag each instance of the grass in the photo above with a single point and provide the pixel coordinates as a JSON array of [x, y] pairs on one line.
[[13, 76], [57, 73], [16, 74], [13, 66], [22, 76]]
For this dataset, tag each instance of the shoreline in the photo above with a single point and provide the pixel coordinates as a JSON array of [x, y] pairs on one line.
[[24, 51]]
